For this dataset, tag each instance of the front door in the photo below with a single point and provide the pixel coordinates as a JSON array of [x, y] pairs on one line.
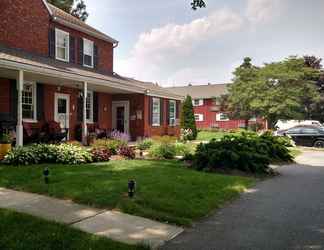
[[120, 116], [62, 110], [120, 119]]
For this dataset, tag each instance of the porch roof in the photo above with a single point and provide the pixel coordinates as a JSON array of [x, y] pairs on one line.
[[20, 60]]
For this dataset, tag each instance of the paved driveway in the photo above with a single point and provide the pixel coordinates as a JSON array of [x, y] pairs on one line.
[[285, 212]]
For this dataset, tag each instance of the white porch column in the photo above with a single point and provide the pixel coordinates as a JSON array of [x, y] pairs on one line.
[[19, 128], [84, 121]]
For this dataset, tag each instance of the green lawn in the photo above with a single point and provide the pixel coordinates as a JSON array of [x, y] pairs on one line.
[[166, 190], [24, 232]]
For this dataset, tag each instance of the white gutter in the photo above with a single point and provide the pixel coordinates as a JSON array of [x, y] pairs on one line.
[[47, 7], [87, 31]]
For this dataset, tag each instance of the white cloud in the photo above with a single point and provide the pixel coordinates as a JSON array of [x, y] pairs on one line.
[[259, 11], [158, 49]]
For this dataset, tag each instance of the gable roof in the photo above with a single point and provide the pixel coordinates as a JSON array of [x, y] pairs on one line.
[[206, 91], [17, 58], [70, 21]]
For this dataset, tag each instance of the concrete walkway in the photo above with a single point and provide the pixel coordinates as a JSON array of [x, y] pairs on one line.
[[114, 225], [282, 213]]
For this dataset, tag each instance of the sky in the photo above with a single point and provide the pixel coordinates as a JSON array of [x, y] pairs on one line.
[[166, 42]]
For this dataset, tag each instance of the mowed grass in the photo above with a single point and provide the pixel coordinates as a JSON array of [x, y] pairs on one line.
[[166, 190], [208, 135], [24, 232]]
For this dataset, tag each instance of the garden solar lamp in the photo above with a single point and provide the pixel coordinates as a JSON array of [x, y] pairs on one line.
[[131, 188], [46, 174]]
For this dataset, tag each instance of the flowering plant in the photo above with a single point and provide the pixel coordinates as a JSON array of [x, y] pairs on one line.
[[120, 136], [186, 134]]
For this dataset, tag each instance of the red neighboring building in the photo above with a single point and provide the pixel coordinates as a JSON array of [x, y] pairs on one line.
[[207, 109], [54, 67]]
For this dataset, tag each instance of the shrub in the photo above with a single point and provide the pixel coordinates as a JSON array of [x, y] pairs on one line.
[[127, 152], [163, 151], [183, 149], [144, 144], [247, 152], [111, 145], [100, 154], [48, 153], [188, 119]]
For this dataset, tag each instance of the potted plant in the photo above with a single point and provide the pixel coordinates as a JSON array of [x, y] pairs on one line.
[[5, 144]]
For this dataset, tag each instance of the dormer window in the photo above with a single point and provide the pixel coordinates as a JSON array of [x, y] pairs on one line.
[[87, 53], [62, 45]]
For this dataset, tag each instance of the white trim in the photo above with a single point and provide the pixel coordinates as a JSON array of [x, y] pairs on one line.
[[90, 120], [219, 117], [200, 102], [114, 106], [200, 117], [48, 8], [92, 56], [67, 51], [67, 98], [178, 98], [34, 93], [175, 113]]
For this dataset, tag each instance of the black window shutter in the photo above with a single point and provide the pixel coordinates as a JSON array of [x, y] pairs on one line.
[[168, 112], [80, 109], [150, 116], [13, 99], [40, 101], [95, 107], [72, 49], [95, 56], [161, 111], [81, 51], [178, 103], [51, 42]]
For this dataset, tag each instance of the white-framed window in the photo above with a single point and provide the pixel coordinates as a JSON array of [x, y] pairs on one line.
[[156, 111], [197, 102], [172, 112], [89, 107], [253, 119], [29, 101], [62, 46], [222, 117], [199, 117], [87, 53]]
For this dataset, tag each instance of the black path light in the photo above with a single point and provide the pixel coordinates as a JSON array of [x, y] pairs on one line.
[[131, 188], [195, 4], [46, 175]]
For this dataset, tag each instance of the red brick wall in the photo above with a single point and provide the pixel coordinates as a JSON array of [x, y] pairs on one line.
[[104, 112], [105, 49], [210, 118], [24, 24], [4, 96]]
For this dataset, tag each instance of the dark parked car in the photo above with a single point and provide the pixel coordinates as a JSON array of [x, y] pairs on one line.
[[307, 135]]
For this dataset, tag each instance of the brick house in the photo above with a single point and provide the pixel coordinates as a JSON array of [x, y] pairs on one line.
[[54, 67], [207, 108]]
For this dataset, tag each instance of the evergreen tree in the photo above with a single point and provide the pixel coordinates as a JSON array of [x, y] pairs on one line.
[[80, 11], [67, 5], [187, 117]]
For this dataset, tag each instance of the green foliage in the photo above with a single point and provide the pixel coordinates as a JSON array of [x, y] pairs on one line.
[[48, 153], [144, 144], [163, 151], [111, 145], [5, 138], [246, 152], [188, 118], [183, 149], [79, 11]]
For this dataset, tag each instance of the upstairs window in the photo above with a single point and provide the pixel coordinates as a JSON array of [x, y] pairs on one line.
[[198, 102], [29, 101], [172, 113], [87, 53], [62, 45], [89, 106], [156, 111]]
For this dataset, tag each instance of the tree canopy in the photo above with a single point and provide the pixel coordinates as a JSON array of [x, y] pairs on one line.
[[75, 7], [279, 90], [187, 120]]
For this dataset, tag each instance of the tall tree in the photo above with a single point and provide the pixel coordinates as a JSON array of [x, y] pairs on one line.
[[242, 92], [187, 120], [195, 4], [80, 11], [76, 8]]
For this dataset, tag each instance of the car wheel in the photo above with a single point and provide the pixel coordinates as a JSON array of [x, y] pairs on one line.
[[319, 144]]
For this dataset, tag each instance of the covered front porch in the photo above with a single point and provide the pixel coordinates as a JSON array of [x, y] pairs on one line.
[[31, 101]]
